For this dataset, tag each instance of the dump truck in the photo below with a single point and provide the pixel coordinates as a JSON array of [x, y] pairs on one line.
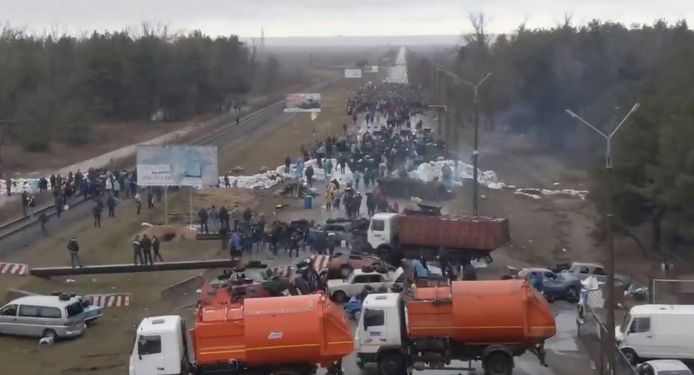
[[490, 321], [291, 335], [459, 239]]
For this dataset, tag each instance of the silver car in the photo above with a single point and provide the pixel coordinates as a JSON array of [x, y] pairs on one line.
[[43, 316]]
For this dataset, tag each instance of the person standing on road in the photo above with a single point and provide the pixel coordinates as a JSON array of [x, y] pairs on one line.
[[202, 215], [224, 218], [213, 217], [309, 176], [96, 211], [287, 164], [137, 250], [43, 219], [235, 216], [370, 204], [138, 202], [111, 204], [227, 184], [73, 249], [150, 199], [8, 186], [224, 236], [146, 245], [155, 248]]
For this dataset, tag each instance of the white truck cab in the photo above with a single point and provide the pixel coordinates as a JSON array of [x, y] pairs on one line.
[[161, 347], [381, 326], [383, 230], [657, 332]]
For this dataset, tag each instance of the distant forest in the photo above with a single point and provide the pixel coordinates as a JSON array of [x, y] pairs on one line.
[[599, 71], [55, 86]]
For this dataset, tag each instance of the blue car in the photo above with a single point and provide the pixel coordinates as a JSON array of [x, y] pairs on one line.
[[553, 286], [91, 312]]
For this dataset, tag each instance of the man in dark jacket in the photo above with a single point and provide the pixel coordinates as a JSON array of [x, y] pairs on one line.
[[202, 215], [43, 219], [73, 249], [111, 204], [96, 211], [155, 248], [137, 251], [309, 176], [146, 245], [287, 163], [224, 218]]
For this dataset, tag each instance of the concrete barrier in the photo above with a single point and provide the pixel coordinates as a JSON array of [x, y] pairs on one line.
[[187, 286], [12, 294]]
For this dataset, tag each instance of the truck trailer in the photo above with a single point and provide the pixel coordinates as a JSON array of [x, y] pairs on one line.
[[489, 321], [459, 239], [269, 336]]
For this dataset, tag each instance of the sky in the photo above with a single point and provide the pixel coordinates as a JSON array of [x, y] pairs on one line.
[[281, 18]]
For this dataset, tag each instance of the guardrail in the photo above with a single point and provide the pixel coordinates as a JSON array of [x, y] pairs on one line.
[[19, 224]]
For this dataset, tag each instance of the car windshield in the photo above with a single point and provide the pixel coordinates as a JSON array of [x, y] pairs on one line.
[[85, 303]]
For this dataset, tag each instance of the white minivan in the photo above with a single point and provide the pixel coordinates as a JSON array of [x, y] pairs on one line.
[[43, 316], [657, 332]]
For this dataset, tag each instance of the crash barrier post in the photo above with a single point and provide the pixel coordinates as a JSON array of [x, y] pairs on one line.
[[593, 332], [672, 291]]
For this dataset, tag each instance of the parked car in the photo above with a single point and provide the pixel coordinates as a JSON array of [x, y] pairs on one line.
[[341, 265], [43, 316], [552, 285], [585, 270], [657, 332], [341, 290], [91, 312], [663, 367]]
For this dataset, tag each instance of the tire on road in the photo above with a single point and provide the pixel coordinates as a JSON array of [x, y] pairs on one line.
[[498, 363], [392, 363]]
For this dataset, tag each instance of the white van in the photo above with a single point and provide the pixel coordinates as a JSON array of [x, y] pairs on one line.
[[657, 332], [161, 347], [43, 316]]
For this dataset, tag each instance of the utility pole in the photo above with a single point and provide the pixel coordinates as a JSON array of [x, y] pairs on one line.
[[611, 344], [475, 151]]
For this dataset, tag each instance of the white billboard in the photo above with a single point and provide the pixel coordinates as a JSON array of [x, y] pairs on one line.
[[302, 102], [371, 69], [352, 73], [177, 165]]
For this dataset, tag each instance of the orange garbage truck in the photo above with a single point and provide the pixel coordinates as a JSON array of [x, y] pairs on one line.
[[291, 335], [489, 321]]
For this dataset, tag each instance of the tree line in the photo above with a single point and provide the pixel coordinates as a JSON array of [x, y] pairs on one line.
[[599, 70], [53, 87]]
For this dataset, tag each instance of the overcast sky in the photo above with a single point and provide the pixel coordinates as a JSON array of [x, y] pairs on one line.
[[328, 17]]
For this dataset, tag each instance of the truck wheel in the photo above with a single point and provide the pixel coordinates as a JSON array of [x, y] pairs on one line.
[[498, 363], [630, 356], [286, 371], [391, 364], [339, 297], [572, 295]]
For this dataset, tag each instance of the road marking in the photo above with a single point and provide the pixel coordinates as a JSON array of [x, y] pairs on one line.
[[110, 300], [17, 269]]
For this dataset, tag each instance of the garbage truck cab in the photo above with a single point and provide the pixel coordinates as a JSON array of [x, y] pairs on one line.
[[381, 327], [160, 347]]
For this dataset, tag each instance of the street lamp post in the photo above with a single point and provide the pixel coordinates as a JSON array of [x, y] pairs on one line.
[[475, 153], [611, 344]]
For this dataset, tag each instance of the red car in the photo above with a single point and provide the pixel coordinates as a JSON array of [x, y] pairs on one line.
[[342, 265]]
